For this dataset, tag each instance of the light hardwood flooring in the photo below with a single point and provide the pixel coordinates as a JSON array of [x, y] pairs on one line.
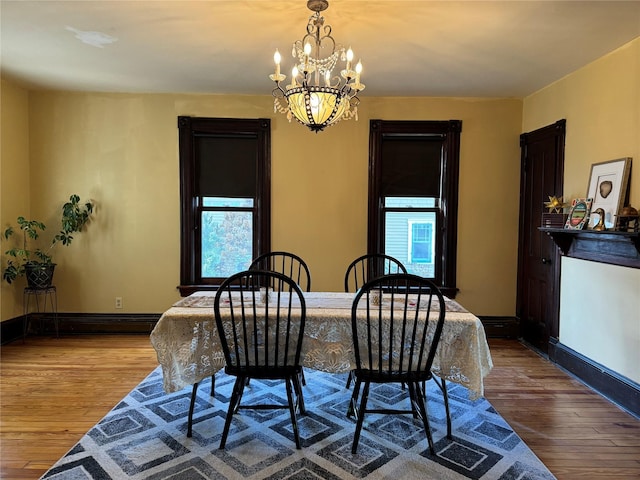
[[52, 391]]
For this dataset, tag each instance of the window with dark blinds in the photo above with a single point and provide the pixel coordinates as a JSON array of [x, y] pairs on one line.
[[413, 196], [225, 197]]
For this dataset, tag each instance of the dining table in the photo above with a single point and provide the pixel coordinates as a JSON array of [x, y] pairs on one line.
[[189, 350]]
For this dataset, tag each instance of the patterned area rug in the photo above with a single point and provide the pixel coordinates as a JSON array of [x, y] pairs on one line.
[[144, 437]]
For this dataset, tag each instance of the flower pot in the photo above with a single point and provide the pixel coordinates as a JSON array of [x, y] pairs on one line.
[[39, 275]]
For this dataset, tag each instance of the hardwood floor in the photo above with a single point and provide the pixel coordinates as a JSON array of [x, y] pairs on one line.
[[52, 391], [576, 433]]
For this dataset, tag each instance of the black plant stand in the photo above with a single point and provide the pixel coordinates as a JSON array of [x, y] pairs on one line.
[[45, 294]]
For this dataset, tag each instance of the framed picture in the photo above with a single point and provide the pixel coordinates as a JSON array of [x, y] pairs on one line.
[[607, 187], [579, 213]]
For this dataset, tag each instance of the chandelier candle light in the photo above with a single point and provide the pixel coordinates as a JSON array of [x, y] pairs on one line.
[[319, 98]]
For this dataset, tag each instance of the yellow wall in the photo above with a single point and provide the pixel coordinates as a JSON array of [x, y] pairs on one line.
[[14, 179], [601, 103], [121, 150], [600, 304]]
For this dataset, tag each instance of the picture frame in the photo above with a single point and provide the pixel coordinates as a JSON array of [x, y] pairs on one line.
[[579, 213], [608, 187]]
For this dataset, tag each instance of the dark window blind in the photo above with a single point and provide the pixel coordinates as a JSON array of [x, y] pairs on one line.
[[226, 166], [411, 167]]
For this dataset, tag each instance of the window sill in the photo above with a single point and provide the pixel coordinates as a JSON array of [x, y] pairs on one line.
[[186, 290]]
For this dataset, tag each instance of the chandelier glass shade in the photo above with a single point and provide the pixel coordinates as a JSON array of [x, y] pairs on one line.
[[316, 97]]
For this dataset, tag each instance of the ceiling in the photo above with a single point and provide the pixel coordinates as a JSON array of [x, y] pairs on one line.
[[408, 48]]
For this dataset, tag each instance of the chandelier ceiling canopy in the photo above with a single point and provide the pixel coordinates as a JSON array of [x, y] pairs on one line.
[[316, 97]]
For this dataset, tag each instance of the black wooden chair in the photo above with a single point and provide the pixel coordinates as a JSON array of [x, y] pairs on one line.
[[365, 268], [395, 343], [286, 263], [261, 340]]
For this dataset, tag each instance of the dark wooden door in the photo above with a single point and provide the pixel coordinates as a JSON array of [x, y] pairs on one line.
[[538, 299]]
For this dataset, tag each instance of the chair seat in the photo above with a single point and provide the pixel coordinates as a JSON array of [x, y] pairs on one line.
[[375, 376], [263, 372]]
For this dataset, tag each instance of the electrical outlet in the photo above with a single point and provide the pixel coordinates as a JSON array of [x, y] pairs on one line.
[[118, 302]]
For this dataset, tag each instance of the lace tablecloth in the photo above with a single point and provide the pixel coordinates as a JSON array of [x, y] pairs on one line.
[[188, 348]]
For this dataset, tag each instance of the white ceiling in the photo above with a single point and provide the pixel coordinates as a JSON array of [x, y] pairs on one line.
[[408, 48]]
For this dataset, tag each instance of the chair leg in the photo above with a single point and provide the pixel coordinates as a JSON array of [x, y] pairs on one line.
[[422, 408], [292, 410], [443, 388], [191, 405], [213, 384], [412, 401], [353, 404], [297, 387], [446, 407], [360, 416], [240, 393], [349, 379], [233, 403]]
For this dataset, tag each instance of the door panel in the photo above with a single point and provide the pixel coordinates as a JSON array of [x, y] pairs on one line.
[[542, 156]]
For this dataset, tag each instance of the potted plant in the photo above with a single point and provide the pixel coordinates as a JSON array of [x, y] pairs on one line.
[[37, 264]]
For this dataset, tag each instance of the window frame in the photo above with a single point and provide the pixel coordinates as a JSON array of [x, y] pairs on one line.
[[446, 233], [191, 208]]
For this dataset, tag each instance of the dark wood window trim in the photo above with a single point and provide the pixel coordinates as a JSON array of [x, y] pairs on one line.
[[188, 129], [447, 243]]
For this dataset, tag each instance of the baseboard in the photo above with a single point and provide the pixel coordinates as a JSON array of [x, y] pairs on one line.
[[10, 330], [80, 323], [611, 385], [501, 327]]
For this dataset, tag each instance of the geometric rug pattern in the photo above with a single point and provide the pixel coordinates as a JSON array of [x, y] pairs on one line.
[[144, 437]]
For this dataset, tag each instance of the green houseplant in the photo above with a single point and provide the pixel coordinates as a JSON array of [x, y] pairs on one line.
[[37, 264]]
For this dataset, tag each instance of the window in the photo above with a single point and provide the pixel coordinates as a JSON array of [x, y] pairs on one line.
[[225, 197], [227, 242], [413, 196], [421, 243]]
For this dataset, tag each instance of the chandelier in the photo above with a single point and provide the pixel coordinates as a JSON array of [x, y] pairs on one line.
[[316, 97]]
